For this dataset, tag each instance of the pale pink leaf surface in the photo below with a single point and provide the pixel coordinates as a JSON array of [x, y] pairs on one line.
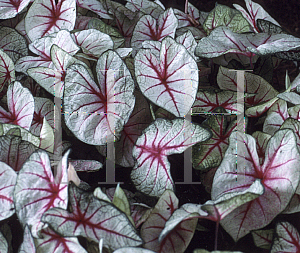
[[291, 97], [151, 173], [48, 16], [15, 151], [42, 48], [208, 100], [287, 239], [261, 140], [43, 107], [10, 8], [178, 240], [20, 104], [263, 238], [82, 22], [3, 244], [254, 84], [147, 28], [7, 70], [93, 219], [93, 42], [170, 81], [53, 79], [36, 176], [222, 40], [294, 112], [8, 178], [53, 242], [255, 11], [188, 41], [95, 6], [27, 245], [146, 7], [86, 165], [20, 27], [277, 114], [13, 43], [138, 121], [96, 114], [209, 154], [240, 167]]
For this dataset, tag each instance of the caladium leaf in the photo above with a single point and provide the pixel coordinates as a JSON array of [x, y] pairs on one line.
[[161, 80], [7, 70], [47, 137], [20, 28], [151, 229], [93, 42], [188, 41], [114, 34], [20, 104], [148, 29], [27, 245], [265, 93], [223, 15], [209, 154], [82, 22], [222, 40], [264, 68], [112, 101], [94, 219], [48, 16], [48, 193], [263, 238], [43, 107], [53, 80], [86, 165], [95, 6], [277, 114], [3, 244], [13, 43], [151, 173], [215, 251], [255, 12], [145, 6], [133, 250], [8, 178], [139, 119], [10, 8], [291, 97], [261, 140], [209, 100], [53, 242], [15, 151], [294, 112], [42, 47], [240, 168], [197, 33], [293, 124], [287, 239]]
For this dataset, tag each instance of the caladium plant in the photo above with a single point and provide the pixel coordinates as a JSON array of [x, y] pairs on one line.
[[158, 92]]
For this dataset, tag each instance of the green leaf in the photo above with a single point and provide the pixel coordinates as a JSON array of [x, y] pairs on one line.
[[223, 15]]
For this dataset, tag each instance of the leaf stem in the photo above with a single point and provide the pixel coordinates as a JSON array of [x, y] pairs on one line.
[[186, 7]]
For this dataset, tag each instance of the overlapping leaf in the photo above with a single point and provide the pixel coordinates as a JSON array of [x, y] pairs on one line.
[[7, 70], [100, 112], [94, 219], [48, 16], [171, 81], [95, 6], [27, 245], [147, 28], [240, 167], [3, 244], [151, 173], [47, 192], [263, 238], [8, 178], [10, 8], [42, 48], [20, 104], [145, 6]]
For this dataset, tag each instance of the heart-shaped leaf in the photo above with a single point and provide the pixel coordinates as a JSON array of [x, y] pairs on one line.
[[147, 28], [287, 239], [263, 238], [255, 12], [95, 6], [20, 104], [48, 16], [15, 151], [42, 47], [151, 173], [36, 176], [240, 167], [7, 70], [223, 15], [10, 8], [8, 177], [163, 80], [100, 112], [94, 219], [13, 43]]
